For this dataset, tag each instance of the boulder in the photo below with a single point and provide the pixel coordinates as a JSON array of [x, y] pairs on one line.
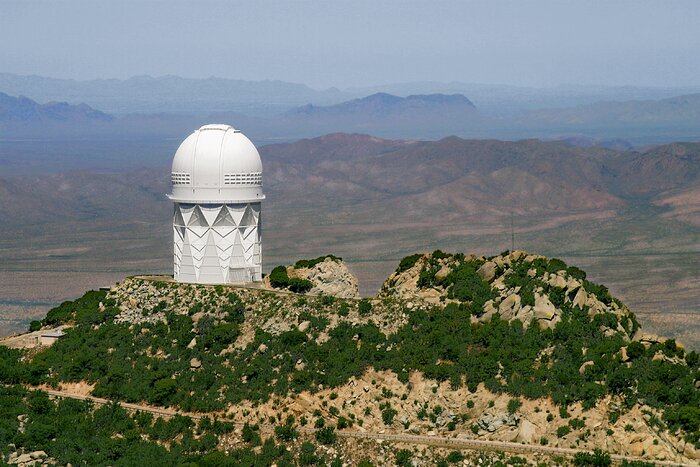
[[581, 298], [545, 312], [582, 368], [262, 348], [623, 354], [192, 344], [23, 459], [648, 339], [443, 272], [527, 432], [487, 271], [492, 422], [510, 306], [195, 363], [304, 325], [557, 281]]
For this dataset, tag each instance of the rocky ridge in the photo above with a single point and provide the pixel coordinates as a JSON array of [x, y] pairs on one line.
[[424, 323], [524, 288]]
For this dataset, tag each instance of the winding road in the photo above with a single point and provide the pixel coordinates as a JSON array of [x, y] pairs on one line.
[[457, 443]]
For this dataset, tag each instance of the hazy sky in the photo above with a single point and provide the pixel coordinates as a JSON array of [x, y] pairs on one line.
[[358, 42]]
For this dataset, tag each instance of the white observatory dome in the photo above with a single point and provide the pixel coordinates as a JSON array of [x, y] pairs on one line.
[[217, 164]]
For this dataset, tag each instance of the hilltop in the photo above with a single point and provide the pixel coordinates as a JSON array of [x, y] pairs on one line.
[[516, 348]]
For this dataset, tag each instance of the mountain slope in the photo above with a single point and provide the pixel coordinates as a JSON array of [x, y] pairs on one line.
[[382, 105], [148, 94], [511, 347], [679, 110], [23, 109]]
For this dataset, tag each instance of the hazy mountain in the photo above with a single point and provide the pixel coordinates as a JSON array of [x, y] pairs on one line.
[[416, 116], [678, 110], [505, 99], [148, 94], [382, 105], [23, 109], [616, 125]]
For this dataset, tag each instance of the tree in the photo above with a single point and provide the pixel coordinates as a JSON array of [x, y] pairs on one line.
[[326, 435]]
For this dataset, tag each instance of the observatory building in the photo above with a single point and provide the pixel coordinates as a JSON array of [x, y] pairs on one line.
[[217, 191]]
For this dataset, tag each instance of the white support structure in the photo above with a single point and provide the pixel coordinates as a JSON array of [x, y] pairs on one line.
[[217, 191]]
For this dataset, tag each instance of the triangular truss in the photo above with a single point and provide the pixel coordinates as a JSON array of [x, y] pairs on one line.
[[217, 243]]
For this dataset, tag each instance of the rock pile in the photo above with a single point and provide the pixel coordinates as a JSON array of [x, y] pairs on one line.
[[511, 302]]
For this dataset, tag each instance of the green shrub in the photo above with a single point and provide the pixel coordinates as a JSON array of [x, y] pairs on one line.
[[408, 262], [388, 415], [555, 265], [364, 307], [326, 436], [279, 278], [514, 405], [563, 431], [251, 435], [297, 285], [403, 458], [286, 433], [576, 423], [597, 458], [309, 263], [635, 350]]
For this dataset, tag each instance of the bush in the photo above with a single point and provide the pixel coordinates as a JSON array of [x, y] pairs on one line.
[[309, 263], [576, 423], [388, 415], [597, 458], [364, 307], [635, 350], [403, 458], [455, 457], [514, 405], [297, 285], [286, 432], [163, 389], [251, 436], [279, 278], [326, 436], [342, 423], [408, 262], [563, 431]]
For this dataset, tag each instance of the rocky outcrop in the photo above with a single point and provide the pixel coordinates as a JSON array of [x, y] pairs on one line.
[[329, 277], [528, 288], [493, 421]]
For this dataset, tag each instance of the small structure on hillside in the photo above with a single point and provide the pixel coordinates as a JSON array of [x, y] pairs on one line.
[[217, 191], [48, 338]]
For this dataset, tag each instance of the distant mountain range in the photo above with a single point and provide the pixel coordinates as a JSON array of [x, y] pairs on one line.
[[383, 105], [424, 116], [174, 94]]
